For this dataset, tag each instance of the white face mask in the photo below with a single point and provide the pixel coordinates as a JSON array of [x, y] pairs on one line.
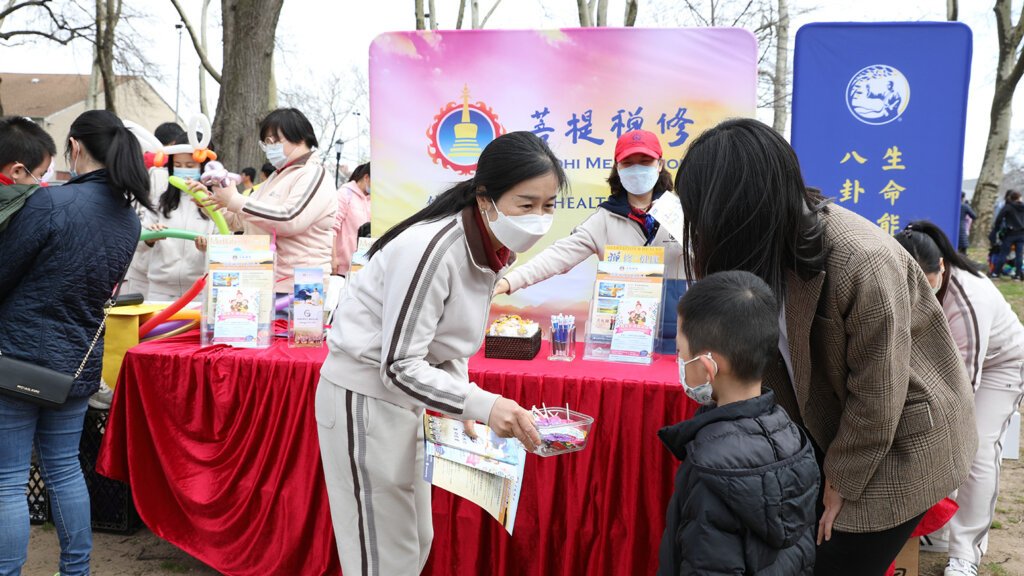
[[639, 179], [520, 233], [699, 394], [275, 154]]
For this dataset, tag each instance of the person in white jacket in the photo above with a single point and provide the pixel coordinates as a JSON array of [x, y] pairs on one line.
[[991, 340], [637, 180], [174, 265], [407, 324]]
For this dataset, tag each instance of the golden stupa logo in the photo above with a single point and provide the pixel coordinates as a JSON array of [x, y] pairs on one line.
[[460, 132]]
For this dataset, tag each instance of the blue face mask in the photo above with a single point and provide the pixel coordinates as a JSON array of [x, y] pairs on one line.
[[187, 173]]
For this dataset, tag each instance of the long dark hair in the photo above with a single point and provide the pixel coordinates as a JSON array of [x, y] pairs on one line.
[[505, 162], [615, 183], [927, 243], [107, 140], [746, 206]]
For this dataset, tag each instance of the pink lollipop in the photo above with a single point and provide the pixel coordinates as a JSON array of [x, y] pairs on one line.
[[216, 175]]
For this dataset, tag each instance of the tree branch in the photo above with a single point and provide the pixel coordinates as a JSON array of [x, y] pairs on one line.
[[196, 42], [462, 12], [487, 17]]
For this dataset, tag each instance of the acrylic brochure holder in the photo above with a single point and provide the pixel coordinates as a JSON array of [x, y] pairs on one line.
[[626, 309], [306, 314], [238, 307]]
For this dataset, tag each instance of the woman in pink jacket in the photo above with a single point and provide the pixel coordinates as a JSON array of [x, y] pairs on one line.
[[353, 212]]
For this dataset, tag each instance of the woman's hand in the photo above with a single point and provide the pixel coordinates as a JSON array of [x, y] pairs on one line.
[[503, 287], [201, 243], [509, 419], [833, 502], [155, 227], [211, 200]]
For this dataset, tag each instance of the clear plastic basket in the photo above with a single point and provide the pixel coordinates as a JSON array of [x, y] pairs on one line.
[[569, 432]]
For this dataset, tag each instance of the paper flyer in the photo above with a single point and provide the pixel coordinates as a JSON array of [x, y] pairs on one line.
[[668, 211], [239, 262], [236, 322], [624, 313], [308, 308], [487, 471]]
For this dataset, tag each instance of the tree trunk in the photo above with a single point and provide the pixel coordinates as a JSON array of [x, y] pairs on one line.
[[204, 108], [986, 192], [108, 12], [474, 12], [433, 14], [951, 10], [780, 82], [272, 87], [631, 10], [420, 24], [249, 30], [1008, 74], [462, 12], [602, 12], [93, 99], [584, 11]]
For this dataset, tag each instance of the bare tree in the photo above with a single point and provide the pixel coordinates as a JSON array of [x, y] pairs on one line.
[[197, 42], [249, 30], [203, 106], [433, 14], [420, 24], [462, 12], [1009, 69], [330, 104], [951, 10], [108, 14], [41, 19], [595, 12], [780, 81]]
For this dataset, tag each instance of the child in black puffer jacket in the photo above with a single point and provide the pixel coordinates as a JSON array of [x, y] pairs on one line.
[[745, 492]]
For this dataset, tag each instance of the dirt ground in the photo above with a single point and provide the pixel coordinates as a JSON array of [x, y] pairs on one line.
[[144, 554]]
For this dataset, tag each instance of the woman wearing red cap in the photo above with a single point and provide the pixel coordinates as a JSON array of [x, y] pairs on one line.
[[638, 179]]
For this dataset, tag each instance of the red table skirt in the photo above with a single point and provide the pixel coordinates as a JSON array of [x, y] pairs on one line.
[[219, 446]]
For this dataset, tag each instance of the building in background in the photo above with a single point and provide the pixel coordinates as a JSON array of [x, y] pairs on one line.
[[54, 101]]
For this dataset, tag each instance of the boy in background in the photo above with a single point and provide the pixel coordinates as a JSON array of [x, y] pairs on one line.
[[26, 151], [746, 488]]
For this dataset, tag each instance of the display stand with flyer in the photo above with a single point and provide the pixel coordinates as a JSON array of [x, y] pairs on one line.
[[627, 305], [486, 470], [306, 322], [238, 309]]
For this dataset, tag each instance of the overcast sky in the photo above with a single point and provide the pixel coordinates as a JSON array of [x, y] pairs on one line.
[[320, 37]]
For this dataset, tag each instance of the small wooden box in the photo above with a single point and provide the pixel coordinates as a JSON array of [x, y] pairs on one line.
[[512, 347]]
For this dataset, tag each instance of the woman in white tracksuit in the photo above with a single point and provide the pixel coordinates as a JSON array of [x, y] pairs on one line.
[[174, 265], [637, 180], [991, 340], [406, 326]]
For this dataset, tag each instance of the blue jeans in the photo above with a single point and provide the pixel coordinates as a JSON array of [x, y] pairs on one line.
[[56, 433]]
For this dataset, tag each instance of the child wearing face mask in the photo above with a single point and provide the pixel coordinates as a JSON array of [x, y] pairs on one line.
[[745, 491], [637, 180], [990, 338], [174, 265], [26, 152]]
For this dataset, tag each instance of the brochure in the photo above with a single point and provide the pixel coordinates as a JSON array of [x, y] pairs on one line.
[[239, 265], [626, 307], [307, 329], [487, 470], [669, 213]]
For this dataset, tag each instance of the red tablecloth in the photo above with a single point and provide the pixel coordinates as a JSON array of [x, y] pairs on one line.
[[219, 446]]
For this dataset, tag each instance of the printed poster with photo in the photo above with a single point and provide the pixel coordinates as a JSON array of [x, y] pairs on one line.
[[624, 313]]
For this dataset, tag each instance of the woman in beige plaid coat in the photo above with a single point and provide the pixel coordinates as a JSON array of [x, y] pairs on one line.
[[866, 361]]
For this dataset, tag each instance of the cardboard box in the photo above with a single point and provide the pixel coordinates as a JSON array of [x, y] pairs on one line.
[[908, 562]]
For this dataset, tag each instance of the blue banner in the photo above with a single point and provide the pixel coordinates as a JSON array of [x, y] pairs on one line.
[[878, 118]]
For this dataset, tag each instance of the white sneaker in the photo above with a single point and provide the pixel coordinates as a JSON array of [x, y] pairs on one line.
[[102, 398], [960, 567]]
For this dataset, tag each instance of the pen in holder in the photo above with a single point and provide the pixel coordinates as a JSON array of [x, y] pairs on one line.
[[563, 338]]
